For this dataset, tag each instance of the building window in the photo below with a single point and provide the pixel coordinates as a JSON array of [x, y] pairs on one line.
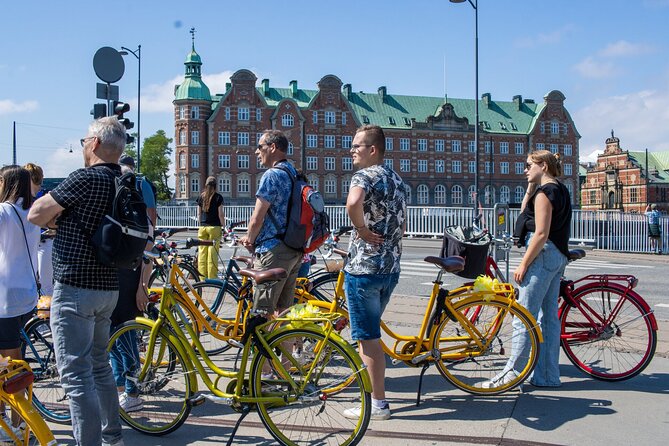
[[258, 114], [438, 145], [195, 137], [405, 165], [346, 142], [422, 166], [456, 194], [520, 168], [259, 165], [389, 144], [329, 141], [182, 113], [343, 118], [329, 117], [312, 141], [223, 161], [489, 167], [567, 150], [456, 166], [345, 185], [224, 138], [182, 184], [227, 113], [224, 185], [347, 163], [195, 161], [520, 148], [542, 127], [456, 146], [504, 194], [330, 186], [388, 163], [471, 193], [489, 195], [195, 185], [243, 114], [504, 147], [195, 112], [504, 168], [313, 181], [182, 160], [519, 194], [567, 170], [404, 144], [242, 138], [439, 166], [329, 163], [555, 128], [182, 138], [554, 148], [287, 120], [489, 147], [422, 145], [570, 188], [472, 146], [472, 166], [258, 137], [291, 148], [540, 146], [440, 194], [242, 161], [243, 185], [312, 163], [422, 194], [314, 117], [634, 195]]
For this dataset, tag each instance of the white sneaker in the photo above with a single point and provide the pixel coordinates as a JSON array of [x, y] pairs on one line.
[[500, 380], [18, 430], [130, 403], [377, 413]]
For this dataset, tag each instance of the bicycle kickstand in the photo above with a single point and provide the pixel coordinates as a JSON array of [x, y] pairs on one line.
[[246, 409], [420, 382]]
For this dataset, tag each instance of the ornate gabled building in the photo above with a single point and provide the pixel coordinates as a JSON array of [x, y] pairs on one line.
[[626, 181], [430, 140]]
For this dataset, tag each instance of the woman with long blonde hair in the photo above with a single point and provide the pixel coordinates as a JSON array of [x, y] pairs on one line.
[[211, 217]]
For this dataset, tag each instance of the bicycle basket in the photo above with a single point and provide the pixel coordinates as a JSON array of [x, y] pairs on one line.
[[473, 246]]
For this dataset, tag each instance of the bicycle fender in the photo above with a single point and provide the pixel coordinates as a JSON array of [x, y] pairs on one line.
[[337, 339], [623, 290]]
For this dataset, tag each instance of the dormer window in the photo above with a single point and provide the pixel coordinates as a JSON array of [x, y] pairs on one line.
[[391, 120]]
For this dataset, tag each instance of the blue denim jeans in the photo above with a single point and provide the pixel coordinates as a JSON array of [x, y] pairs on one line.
[[367, 296], [124, 357], [539, 293], [80, 322]]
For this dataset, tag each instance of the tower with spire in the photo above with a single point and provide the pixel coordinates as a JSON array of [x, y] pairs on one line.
[[192, 107]]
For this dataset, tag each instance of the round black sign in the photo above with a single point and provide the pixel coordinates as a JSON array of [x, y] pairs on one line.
[[108, 64]]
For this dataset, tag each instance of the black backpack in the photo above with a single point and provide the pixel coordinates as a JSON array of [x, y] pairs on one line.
[[121, 238]]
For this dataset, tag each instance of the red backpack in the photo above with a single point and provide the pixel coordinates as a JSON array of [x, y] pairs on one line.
[[308, 226]]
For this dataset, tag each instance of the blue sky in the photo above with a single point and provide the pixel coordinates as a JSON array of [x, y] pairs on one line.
[[609, 58]]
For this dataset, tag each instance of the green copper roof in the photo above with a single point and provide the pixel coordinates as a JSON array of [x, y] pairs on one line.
[[658, 164], [192, 88], [193, 57], [276, 95]]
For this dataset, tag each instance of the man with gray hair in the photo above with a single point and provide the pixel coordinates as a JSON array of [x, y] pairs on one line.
[[85, 291]]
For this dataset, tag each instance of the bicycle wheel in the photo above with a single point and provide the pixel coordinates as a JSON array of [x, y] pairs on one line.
[[484, 363], [325, 389], [165, 388], [34, 430], [158, 279], [48, 396], [614, 346], [223, 302], [323, 286]]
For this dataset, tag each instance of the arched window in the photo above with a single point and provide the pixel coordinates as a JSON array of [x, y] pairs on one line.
[[471, 193], [313, 180], [409, 194], [519, 194], [456, 194], [287, 120], [423, 194], [440, 194], [504, 194], [489, 195]]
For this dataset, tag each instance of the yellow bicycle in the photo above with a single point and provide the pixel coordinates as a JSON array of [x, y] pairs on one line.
[[300, 376], [16, 381]]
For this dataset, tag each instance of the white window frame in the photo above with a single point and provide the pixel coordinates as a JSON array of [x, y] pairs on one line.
[[422, 194], [347, 163], [314, 117], [504, 147], [439, 145], [223, 138], [243, 138], [194, 112], [312, 141], [389, 144], [243, 114], [567, 150], [422, 144], [223, 161], [520, 168], [456, 166], [520, 148], [242, 162], [456, 194], [504, 168], [227, 113], [346, 142], [195, 137], [422, 166], [439, 166], [330, 117], [258, 114], [194, 160], [440, 195], [182, 112], [329, 163], [456, 146], [287, 120], [405, 144], [405, 165], [329, 141], [568, 169], [182, 160], [182, 138], [312, 163]]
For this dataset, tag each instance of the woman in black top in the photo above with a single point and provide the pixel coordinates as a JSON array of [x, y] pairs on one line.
[[210, 206], [544, 224]]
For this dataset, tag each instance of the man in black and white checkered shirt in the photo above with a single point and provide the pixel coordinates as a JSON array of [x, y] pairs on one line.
[[85, 292]]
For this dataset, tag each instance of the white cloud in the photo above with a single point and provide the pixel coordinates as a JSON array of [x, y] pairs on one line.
[[594, 69], [623, 48], [541, 39], [157, 98], [60, 163], [637, 118], [8, 106]]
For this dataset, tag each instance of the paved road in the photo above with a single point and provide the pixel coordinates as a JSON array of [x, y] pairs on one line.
[[582, 411]]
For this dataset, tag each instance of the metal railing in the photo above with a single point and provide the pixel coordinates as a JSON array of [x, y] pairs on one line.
[[608, 230]]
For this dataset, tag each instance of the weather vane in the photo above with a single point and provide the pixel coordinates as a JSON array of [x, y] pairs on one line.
[[192, 34]]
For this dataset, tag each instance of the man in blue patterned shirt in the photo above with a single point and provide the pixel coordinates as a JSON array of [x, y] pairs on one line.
[[268, 225], [376, 205]]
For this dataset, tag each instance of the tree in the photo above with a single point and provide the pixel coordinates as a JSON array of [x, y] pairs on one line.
[[155, 162]]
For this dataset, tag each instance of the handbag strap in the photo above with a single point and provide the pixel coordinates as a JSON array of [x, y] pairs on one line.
[[25, 238]]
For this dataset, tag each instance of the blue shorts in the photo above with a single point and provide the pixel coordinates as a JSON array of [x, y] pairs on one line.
[[10, 330], [367, 296]]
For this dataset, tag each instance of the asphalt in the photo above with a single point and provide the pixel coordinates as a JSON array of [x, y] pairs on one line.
[[582, 411]]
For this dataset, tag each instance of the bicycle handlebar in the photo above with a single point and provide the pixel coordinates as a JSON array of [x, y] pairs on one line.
[[190, 242]]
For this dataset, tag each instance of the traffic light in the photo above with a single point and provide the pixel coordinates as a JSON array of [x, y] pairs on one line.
[[119, 108], [99, 111]]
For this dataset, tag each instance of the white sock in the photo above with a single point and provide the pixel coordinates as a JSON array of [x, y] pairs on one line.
[[379, 404]]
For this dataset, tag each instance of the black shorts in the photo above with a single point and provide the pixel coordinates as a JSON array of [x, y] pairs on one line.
[[10, 330]]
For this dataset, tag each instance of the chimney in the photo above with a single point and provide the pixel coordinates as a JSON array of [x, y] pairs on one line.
[[265, 87], [293, 88], [486, 99], [347, 91], [382, 93], [518, 100]]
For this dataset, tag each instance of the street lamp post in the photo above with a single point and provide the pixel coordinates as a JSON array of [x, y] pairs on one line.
[[476, 98], [138, 55]]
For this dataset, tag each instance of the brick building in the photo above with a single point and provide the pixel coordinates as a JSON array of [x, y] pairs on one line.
[[430, 140], [620, 180]]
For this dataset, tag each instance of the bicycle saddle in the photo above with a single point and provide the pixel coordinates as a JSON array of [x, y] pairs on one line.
[[246, 259], [452, 264], [266, 275], [576, 254]]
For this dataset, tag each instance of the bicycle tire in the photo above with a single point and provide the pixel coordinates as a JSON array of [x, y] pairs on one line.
[[317, 415], [49, 397], [225, 305], [466, 365], [41, 434], [617, 351], [324, 285], [158, 279], [166, 387]]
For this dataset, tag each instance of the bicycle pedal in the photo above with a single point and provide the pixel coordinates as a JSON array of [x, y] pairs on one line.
[[196, 400], [396, 361]]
